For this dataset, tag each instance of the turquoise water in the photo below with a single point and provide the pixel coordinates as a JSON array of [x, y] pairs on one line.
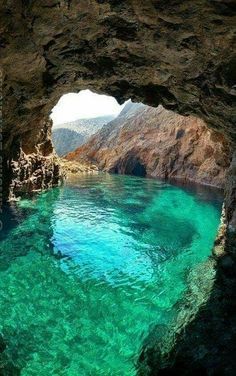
[[87, 270]]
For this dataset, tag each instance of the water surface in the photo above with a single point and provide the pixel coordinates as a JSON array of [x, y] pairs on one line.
[[87, 270]]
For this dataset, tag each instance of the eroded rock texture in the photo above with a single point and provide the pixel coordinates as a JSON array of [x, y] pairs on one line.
[[32, 173], [177, 53], [155, 142]]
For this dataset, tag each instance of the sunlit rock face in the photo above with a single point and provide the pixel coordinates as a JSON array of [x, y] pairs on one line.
[[155, 142], [175, 53]]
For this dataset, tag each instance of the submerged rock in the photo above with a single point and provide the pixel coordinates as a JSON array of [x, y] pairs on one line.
[[177, 53], [2, 344], [7, 368]]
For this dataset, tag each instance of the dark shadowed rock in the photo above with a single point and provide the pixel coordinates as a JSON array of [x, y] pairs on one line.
[[180, 54]]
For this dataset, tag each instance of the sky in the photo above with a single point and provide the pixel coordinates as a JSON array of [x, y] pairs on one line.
[[83, 105]]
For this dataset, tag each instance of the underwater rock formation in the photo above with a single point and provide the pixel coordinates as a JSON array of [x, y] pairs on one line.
[[155, 142], [7, 368], [176, 53]]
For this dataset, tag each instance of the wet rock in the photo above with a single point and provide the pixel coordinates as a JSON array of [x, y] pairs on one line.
[[177, 53], [228, 264]]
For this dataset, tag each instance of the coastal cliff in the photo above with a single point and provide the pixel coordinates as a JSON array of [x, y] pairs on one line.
[[177, 54], [155, 142]]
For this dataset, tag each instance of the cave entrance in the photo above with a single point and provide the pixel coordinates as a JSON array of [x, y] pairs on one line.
[[139, 169], [77, 116], [130, 165]]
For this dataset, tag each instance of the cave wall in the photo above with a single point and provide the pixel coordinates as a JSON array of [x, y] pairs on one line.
[[176, 53]]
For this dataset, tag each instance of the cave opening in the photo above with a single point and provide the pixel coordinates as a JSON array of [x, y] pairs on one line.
[[138, 169], [77, 116], [137, 139], [179, 55], [130, 165]]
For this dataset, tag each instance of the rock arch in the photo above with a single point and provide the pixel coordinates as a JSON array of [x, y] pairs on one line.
[[177, 53], [180, 54]]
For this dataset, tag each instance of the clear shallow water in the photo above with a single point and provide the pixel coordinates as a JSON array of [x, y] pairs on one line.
[[87, 270]]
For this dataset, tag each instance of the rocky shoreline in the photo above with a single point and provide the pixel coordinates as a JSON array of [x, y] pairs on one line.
[[33, 173], [157, 143], [178, 54], [73, 167]]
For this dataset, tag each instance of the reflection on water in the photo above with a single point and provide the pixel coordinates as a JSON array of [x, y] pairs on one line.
[[87, 269]]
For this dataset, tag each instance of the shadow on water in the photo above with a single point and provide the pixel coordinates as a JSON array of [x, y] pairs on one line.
[[202, 342], [31, 225], [21, 222], [203, 192], [13, 216]]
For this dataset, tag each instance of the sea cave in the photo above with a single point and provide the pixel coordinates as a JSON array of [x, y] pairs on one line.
[[118, 227]]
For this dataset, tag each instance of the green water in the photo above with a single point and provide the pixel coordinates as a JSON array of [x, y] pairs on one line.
[[87, 270]]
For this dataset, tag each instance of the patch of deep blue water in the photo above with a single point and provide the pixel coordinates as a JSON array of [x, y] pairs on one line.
[[88, 269]]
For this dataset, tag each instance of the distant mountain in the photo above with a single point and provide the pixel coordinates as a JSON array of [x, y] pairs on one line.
[[154, 142], [67, 137], [66, 140]]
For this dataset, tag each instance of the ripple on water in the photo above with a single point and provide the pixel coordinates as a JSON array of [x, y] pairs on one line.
[[87, 270]]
